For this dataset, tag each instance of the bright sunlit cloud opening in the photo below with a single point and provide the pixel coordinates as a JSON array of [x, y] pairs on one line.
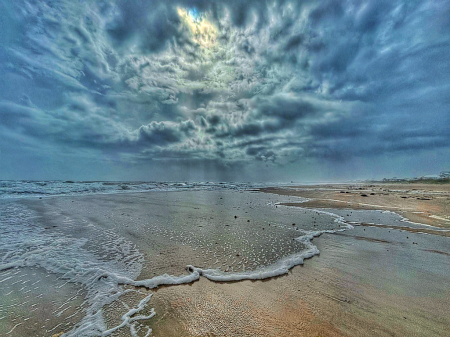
[[203, 31]]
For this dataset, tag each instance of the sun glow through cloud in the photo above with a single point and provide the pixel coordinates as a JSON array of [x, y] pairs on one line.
[[203, 32]]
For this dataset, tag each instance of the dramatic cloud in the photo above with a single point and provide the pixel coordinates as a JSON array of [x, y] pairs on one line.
[[234, 90]]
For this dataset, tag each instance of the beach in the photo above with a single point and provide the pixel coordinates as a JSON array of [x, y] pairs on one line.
[[96, 263]]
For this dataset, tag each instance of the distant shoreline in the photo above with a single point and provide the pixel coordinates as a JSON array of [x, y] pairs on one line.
[[438, 181]]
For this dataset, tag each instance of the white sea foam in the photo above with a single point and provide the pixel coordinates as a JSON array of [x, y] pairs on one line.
[[28, 245]]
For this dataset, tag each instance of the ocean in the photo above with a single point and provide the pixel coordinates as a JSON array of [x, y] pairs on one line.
[[29, 188]]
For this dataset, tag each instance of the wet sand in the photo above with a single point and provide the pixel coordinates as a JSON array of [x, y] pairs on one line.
[[87, 241], [374, 280], [369, 281], [360, 285]]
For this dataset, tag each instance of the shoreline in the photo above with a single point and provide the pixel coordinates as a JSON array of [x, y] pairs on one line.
[[307, 300]]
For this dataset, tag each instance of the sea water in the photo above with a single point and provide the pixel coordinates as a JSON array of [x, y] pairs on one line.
[[98, 249], [32, 188]]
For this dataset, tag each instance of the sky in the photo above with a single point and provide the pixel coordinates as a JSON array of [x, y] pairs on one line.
[[233, 90]]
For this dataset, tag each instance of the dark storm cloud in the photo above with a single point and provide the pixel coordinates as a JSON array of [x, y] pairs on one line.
[[160, 133], [285, 107], [281, 82], [148, 23], [369, 134]]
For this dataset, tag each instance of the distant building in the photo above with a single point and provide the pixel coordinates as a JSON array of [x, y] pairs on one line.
[[429, 176]]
